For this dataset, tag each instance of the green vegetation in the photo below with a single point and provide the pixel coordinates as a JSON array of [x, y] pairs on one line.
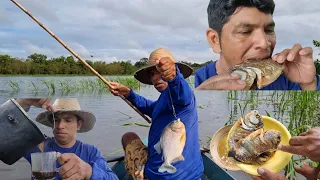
[[297, 110], [317, 62], [39, 64], [71, 86]]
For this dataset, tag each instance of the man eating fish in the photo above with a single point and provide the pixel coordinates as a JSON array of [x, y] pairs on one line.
[[243, 34]]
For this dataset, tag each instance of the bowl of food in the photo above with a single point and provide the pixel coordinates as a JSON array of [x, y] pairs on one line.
[[253, 140]]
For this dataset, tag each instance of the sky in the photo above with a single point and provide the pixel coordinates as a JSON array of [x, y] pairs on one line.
[[113, 30]]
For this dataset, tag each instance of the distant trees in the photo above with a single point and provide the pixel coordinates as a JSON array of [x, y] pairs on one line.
[[40, 64], [317, 62]]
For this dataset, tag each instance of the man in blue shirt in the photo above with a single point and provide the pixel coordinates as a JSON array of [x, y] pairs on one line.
[[241, 30], [77, 160], [176, 96]]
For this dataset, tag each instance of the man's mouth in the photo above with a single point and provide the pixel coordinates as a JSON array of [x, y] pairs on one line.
[[260, 56]]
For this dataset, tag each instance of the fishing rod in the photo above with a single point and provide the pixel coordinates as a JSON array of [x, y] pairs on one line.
[[80, 59]]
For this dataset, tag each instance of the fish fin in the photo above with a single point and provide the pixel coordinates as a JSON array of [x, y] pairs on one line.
[[167, 167], [183, 139], [157, 147], [179, 158]]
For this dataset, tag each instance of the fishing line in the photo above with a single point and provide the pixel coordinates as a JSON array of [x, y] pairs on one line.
[[54, 121], [174, 111]]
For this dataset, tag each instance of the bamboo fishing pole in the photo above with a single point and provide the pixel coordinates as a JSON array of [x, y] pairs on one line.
[[80, 59]]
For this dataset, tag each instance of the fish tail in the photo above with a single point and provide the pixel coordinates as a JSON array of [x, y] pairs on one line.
[[167, 167]]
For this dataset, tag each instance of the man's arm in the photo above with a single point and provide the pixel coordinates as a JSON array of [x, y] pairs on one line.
[[100, 168], [144, 105], [180, 90]]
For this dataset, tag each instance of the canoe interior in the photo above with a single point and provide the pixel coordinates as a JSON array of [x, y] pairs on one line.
[[211, 171]]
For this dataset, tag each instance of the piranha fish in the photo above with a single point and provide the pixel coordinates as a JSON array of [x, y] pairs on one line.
[[256, 148], [171, 144], [258, 72], [243, 127]]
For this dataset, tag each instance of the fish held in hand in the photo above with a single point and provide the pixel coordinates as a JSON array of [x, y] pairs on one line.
[[258, 72], [257, 148], [171, 145]]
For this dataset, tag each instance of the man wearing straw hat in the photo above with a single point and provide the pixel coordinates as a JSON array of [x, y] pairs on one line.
[[176, 100], [77, 160]]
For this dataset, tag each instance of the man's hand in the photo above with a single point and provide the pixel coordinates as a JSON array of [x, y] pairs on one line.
[[309, 172], [223, 82], [298, 66], [72, 167], [167, 68], [266, 174], [43, 103], [306, 144], [119, 89]]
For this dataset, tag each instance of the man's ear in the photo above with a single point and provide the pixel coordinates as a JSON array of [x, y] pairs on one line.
[[213, 40], [79, 124]]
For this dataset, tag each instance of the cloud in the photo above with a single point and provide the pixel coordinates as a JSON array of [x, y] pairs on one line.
[[112, 31]]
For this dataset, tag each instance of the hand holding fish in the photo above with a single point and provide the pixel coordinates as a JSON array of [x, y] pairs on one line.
[[306, 144], [119, 89], [167, 68], [72, 167], [298, 66], [309, 172], [305, 170], [43, 103], [228, 81], [266, 174]]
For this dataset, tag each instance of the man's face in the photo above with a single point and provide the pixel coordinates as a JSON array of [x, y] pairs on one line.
[[157, 81], [66, 127], [249, 34]]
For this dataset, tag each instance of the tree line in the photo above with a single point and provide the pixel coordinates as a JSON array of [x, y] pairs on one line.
[[40, 64]]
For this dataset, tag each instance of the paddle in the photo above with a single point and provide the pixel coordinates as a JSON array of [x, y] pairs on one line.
[[121, 158], [80, 59]]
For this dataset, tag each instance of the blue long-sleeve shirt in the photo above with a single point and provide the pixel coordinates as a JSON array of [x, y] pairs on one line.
[[282, 83], [86, 152], [161, 113]]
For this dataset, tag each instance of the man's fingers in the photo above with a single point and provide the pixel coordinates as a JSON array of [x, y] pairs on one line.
[[70, 172], [307, 171], [293, 52], [306, 51], [269, 175], [297, 140], [257, 178], [64, 158], [51, 108], [114, 84], [299, 150], [281, 57]]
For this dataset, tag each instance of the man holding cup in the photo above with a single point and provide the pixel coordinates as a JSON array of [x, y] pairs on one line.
[[76, 160]]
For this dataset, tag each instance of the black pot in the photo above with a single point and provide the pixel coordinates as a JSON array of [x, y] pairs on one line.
[[18, 134]]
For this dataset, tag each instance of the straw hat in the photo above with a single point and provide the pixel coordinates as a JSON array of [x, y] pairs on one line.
[[70, 105], [143, 76]]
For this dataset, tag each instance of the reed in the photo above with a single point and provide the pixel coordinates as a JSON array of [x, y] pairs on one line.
[[51, 86]]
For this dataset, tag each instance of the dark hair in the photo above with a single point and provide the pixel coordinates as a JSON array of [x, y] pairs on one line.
[[219, 11]]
